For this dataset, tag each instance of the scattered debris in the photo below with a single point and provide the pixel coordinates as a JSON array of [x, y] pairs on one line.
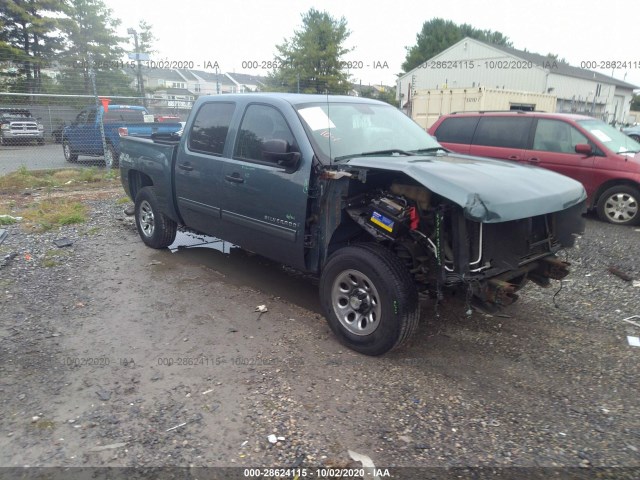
[[272, 438], [7, 259], [3, 234], [367, 464], [103, 395], [207, 391], [636, 283], [63, 242], [35, 419], [633, 341], [177, 426], [628, 320], [619, 273], [111, 446], [261, 308], [244, 443]]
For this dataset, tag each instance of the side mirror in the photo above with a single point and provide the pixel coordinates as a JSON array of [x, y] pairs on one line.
[[278, 151], [584, 149]]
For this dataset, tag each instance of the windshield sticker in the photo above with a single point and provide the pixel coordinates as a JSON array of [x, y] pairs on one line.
[[600, 135], [316, 118]]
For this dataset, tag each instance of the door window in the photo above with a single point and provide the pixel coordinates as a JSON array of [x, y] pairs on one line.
[[507, 132], [456, 130], [557, 136], [210, 127], [261, 126]]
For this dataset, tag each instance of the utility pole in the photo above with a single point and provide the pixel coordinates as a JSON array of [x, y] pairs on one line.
[[132, 31]]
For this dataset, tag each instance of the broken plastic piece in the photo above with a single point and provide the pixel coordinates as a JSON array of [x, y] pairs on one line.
[[272, 438], [367, 463], [633, 341], [63, 242], [619, 273], [628, 320], [261, 308]]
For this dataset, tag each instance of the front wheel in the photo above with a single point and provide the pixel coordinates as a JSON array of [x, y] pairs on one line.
[[68, 153], [619, 205], [155, 229], [369, 298]]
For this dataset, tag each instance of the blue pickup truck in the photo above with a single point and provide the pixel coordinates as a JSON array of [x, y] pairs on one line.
[[83, 136]]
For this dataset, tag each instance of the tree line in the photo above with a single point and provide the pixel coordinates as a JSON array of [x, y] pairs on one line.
[[73, 36], [67, 36]]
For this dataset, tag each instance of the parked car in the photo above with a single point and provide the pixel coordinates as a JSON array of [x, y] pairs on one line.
[[17, 125], [633, 132], [354, 191], [84, 137], [602, 158]]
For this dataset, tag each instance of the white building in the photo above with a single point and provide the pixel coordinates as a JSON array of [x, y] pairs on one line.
[[472, 63]]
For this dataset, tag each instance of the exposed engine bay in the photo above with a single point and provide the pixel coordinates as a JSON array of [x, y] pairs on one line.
[[443, 249]]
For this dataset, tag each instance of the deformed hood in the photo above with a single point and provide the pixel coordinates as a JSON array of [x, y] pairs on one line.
[[488, 190]]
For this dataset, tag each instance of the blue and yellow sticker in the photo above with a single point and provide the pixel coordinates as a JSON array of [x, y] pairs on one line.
[[382, 221]]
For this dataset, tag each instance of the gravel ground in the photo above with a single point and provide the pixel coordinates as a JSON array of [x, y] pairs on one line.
[[117, 355]]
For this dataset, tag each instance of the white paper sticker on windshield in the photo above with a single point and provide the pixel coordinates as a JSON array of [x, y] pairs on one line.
[[148, 118], [600, 135], [316, 118]]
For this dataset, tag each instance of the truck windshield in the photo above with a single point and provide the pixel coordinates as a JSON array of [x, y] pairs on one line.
[[613, 139], [346, 130]]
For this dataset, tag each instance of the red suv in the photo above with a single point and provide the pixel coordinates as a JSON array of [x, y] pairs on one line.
[[604, 159]]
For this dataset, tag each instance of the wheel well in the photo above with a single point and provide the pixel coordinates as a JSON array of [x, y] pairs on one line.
[[611, 183], [138, 180], [344, 235]]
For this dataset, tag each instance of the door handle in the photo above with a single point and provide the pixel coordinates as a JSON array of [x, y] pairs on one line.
[[514, 157], [235, 178], [185, 166], [533, 160]]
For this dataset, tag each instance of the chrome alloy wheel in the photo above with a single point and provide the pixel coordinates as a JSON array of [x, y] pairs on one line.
[[356, 302], [621, 207], [147, 221]]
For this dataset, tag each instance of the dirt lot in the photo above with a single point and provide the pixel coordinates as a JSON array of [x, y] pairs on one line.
[[117, 355]]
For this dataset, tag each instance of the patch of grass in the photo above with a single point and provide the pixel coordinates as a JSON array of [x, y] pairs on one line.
[[67, 178], [52, 257], [52, 213], [7, 220], [92, 231], [123, 201]]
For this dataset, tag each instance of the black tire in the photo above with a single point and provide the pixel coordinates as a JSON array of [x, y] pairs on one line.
[[369, 298], [620, 205], [111, 159], [69, 154], [155, 229]]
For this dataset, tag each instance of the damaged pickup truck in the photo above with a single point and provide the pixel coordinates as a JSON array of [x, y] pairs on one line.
[[352, 190]]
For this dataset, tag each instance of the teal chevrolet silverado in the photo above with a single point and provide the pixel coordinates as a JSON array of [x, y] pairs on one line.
[[350, 189]]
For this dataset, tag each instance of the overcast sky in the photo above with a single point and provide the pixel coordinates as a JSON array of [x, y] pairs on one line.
[[248, 30]]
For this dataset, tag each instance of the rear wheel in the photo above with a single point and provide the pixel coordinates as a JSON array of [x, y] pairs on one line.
[[369, 299], [111, 158], [155, 229], [619, 205], [69, 155]]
